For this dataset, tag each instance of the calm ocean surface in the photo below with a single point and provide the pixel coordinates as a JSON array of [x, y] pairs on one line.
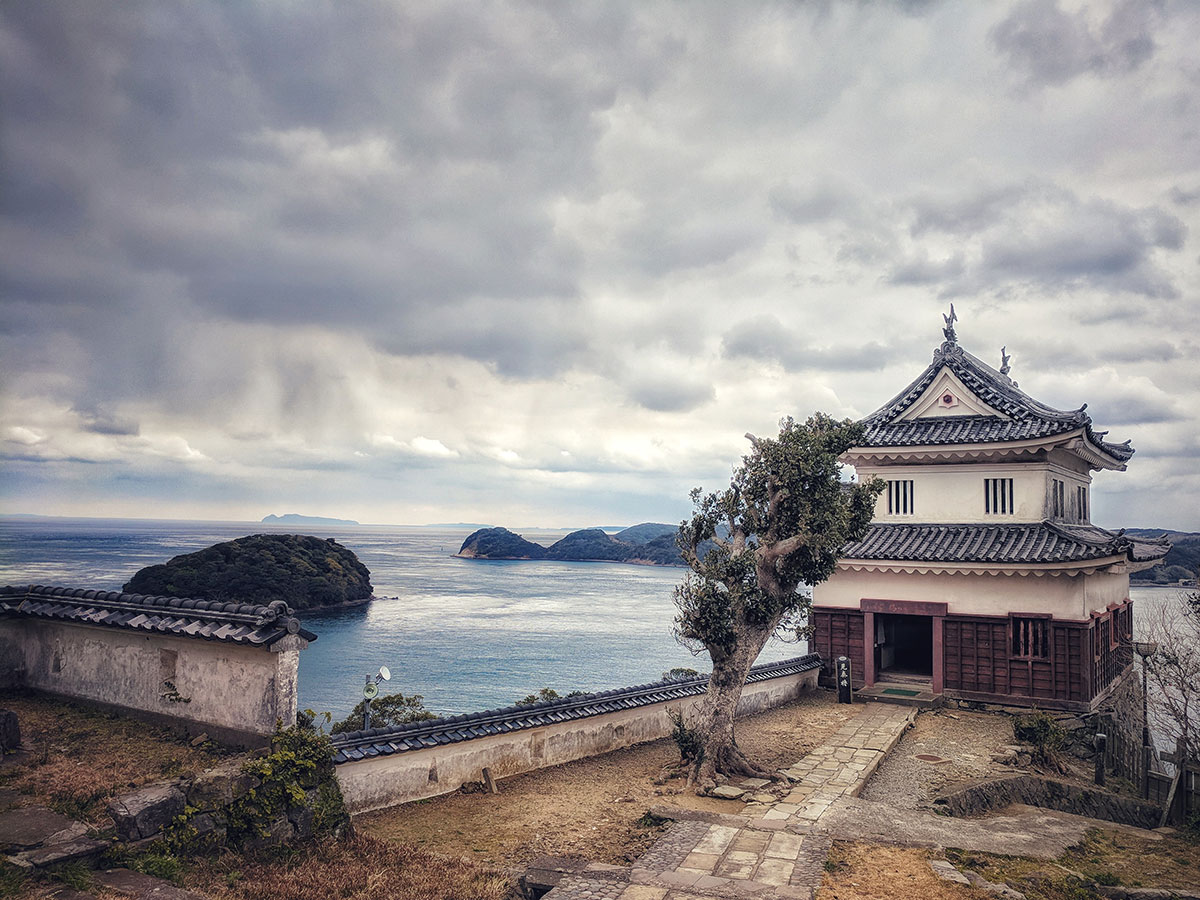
[[466, 634]]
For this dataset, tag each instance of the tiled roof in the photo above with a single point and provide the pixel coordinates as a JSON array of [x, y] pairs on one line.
[[1027, 418], [1039, 542], [213, 620], [373, 742]]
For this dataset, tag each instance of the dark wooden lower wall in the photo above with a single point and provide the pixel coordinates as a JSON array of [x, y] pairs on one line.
[[839, 632], [1085, 657]]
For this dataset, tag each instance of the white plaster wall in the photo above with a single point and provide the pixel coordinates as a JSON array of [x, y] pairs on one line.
[[1064, 596], [244, 689], [416, 774], [954, 493]]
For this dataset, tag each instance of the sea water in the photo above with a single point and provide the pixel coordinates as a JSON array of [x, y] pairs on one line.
[[465, 634]]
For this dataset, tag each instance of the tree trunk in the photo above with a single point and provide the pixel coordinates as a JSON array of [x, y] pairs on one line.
[[715, 717]]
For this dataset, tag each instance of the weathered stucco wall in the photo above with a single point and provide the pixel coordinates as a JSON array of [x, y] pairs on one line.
[[1065, 596], [233, 692], [416, 774]]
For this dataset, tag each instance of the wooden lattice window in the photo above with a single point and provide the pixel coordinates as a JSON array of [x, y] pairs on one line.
[[1030, 637]]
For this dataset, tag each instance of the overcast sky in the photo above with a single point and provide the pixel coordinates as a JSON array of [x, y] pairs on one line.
[[546, 263]]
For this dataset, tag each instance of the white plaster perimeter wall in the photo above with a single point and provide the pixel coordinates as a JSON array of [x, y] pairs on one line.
[[243, 690], [1064, 596], [416, 774]]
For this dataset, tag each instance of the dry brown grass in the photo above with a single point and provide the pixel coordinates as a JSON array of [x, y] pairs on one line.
[[871, 872], [76, 758], [1109, 856], [593, 807], [363, 867]]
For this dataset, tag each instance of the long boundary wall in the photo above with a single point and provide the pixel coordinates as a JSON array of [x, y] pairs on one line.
[[385, 767]]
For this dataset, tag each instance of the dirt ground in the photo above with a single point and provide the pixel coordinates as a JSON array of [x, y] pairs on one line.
[[593, 808], [957, 746], [871, 872]]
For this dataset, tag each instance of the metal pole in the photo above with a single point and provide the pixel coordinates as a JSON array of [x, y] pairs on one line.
[[366, 707]]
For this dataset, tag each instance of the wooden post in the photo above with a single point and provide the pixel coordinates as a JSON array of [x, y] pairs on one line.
[[489, 782], [1100, 743]]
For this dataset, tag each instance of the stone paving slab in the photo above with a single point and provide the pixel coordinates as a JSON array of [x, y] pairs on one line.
[[773, 850]]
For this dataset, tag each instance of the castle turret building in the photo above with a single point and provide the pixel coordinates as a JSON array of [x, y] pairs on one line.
[[982, 577]]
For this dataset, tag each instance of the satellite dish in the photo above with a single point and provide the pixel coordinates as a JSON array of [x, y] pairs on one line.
[[385, 673]]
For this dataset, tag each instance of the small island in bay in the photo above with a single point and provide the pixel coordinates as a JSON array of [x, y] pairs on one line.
[[297, 519], [303, 571], [650, 543]]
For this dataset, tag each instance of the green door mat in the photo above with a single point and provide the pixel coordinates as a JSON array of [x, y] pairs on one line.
[[901, 691]]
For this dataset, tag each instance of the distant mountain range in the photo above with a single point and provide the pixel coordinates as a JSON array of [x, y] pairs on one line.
[[297, 519], [650, 543]]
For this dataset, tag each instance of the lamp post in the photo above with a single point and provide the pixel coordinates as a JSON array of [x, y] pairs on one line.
[[1145, 649]]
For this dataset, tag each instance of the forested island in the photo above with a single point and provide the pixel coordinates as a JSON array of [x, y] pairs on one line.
[[303, 571], [650, 543]]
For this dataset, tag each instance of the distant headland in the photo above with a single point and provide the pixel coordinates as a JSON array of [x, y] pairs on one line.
[[650, 543], [297, 519]]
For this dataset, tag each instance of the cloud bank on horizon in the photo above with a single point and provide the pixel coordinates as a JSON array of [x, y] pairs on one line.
[[546, 264]]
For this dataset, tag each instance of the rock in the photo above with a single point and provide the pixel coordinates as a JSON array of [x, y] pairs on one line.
[[279, 832], [1005, 757], [144, 812], [21, 829], [199, 739], [1024, 760], [53, 854], [219, 786], [10, 731], [301, 818], [727, 792], [946, 871]]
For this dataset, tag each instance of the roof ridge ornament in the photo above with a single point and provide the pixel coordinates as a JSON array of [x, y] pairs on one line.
[[1005, 368], [948, 330]]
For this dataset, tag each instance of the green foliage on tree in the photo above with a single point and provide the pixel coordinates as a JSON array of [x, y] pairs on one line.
[[386, 710], [303, 571], [543, 695], [780, 525], [679, 672]]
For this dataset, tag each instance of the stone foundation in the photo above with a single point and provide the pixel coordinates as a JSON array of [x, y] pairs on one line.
[[1050, 794]]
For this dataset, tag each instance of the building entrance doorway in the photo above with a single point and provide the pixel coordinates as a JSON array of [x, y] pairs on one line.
[[903, 647]]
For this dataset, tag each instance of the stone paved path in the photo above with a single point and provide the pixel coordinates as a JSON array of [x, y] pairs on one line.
[[774, 850]]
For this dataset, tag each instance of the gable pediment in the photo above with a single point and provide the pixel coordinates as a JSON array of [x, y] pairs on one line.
[[948, 396]]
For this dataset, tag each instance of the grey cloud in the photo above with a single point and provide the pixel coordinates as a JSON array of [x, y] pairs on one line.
[[963, 215], [101, 422], [1184, 197], [1052, 46], [920, 269], [669, 395], [765, 338], [1133, 410], [803, 205], [1093, 242]]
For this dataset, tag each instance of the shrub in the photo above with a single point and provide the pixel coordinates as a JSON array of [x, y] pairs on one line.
[[1046, 736], [689, 741], [388, 710]]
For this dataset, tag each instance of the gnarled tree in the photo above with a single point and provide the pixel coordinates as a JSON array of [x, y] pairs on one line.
[[778, 527]]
